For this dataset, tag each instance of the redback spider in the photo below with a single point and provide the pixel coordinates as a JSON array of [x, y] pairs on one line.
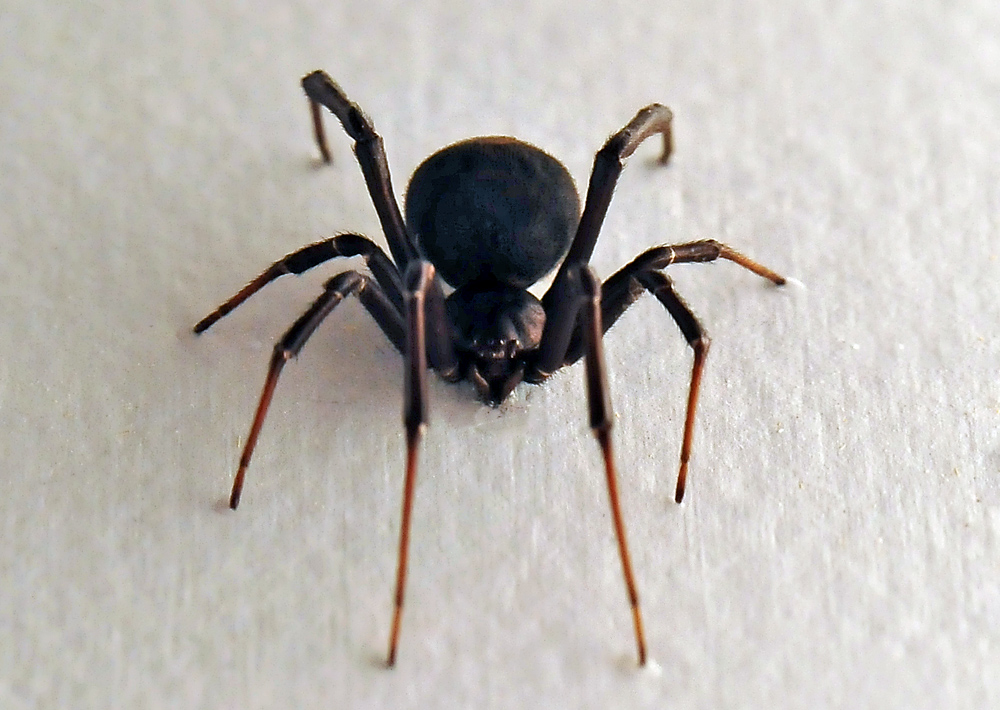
[[490, 217]]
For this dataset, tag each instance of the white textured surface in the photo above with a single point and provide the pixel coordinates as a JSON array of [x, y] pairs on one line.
[[839, 547]]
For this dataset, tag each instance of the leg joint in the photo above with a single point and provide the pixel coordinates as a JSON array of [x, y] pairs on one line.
[[346, 283], [651, 120], [320, 88]]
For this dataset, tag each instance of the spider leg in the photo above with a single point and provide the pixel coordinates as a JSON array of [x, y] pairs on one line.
[[562, 310], [338, 288], [345, 245], [576, 312], [440, 338], [624, 287], [608, 165], [599, 404], [659, 285], [368, 147], [424, 301]]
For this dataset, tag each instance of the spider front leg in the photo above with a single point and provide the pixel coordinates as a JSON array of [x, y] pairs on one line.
[[599, 404], [338, 288], [424, 301], [323, 91], [576, 312]]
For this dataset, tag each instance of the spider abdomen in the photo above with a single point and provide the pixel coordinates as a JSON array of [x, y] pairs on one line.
[[492, 210]]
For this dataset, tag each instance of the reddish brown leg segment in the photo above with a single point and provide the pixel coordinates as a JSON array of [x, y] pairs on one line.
[[419, 281], [412, 442], [278, 361], [599, 402], [748, 263], [318, 131], [700, 347], [604, 438]]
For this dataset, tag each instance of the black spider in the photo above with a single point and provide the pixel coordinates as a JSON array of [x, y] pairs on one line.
[[490, 216]]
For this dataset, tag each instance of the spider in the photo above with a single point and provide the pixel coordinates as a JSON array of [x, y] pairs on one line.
[[490, 217]]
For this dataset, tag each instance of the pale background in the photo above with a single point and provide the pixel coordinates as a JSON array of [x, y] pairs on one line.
[[840, 541]]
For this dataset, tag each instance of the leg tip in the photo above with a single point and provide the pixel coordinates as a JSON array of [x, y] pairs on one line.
[[681, 485], [314, 78], [204, 324]]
